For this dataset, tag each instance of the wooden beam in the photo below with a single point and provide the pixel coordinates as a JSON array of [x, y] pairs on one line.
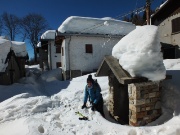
[[129, 80]]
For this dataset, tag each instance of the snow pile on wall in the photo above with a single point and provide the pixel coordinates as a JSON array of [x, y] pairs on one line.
[[19, 49], [139, 53], [49, 34], [75, 24]]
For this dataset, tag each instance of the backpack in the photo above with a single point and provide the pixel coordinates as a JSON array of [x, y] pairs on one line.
[[96, 84]]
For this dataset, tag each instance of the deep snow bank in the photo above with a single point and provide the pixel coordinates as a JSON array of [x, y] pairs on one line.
[[25, 114]]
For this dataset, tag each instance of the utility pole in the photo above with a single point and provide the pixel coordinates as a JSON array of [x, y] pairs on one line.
[[148, 4]]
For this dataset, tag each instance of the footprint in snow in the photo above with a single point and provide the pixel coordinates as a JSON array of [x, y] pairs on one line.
[[132, 132], [41, 129]]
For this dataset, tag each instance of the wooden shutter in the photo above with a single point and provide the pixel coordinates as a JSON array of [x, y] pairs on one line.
[[58, 48], [176, 25], [58, 64], [62, 51], [89, 48], [59, 40]]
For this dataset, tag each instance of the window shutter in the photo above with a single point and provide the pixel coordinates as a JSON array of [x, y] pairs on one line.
[[58, 48], [62, 49], [176, 25], [58, 64], [89, 48]]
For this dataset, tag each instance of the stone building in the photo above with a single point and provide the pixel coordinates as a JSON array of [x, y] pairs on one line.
[[133, 101], [13, 57]]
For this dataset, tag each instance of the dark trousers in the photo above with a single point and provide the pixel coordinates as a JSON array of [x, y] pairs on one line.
[[99, 107]]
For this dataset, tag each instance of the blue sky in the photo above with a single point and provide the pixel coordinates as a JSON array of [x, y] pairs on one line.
[[56, 11]]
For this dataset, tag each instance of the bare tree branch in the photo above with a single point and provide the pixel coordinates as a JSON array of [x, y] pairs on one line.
[[34, 26], [11, 25], [1, 25]]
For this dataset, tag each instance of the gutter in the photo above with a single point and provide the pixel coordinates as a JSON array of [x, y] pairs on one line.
[[50, 57], [69, 56], [90, 35]]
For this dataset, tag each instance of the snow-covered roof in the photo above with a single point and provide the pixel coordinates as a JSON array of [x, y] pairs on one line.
[[139, 53], [88, 25], [49, 34], [39, 44], [163, 4], [19, 49], [4, 37], [5, 46]]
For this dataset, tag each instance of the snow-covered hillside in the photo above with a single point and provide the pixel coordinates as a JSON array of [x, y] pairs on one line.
[[41, 104]]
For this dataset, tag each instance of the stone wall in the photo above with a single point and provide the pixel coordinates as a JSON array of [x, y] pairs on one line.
[[118, 104], [75, 73], [144, 103]]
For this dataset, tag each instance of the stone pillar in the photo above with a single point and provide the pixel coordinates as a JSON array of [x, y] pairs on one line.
[[118, 104], [144, 103]]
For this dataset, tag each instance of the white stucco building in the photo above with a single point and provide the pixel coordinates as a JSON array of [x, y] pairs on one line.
[[85, 41], [49, 52], [167, 18]]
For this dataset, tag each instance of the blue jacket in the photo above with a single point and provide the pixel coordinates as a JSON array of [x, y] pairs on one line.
[[94, 93]]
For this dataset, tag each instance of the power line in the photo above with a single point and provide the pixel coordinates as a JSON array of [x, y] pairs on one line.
[[137, 10], [136, 4]]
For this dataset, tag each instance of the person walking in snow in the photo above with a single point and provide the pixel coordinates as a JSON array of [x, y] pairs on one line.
[[93, 92]]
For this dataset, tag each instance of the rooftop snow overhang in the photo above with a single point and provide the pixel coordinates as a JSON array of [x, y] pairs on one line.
[[38, 45], [168, 9], [48, 35], [89, 25], [89, 35]]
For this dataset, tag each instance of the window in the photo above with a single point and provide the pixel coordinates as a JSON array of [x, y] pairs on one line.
[[58, 64], [58, 48], [176, 25], [169, 53], [89, 48], [62, 49], [44, 45]]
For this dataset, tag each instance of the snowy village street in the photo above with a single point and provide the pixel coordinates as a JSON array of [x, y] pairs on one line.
[[34, 109]]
